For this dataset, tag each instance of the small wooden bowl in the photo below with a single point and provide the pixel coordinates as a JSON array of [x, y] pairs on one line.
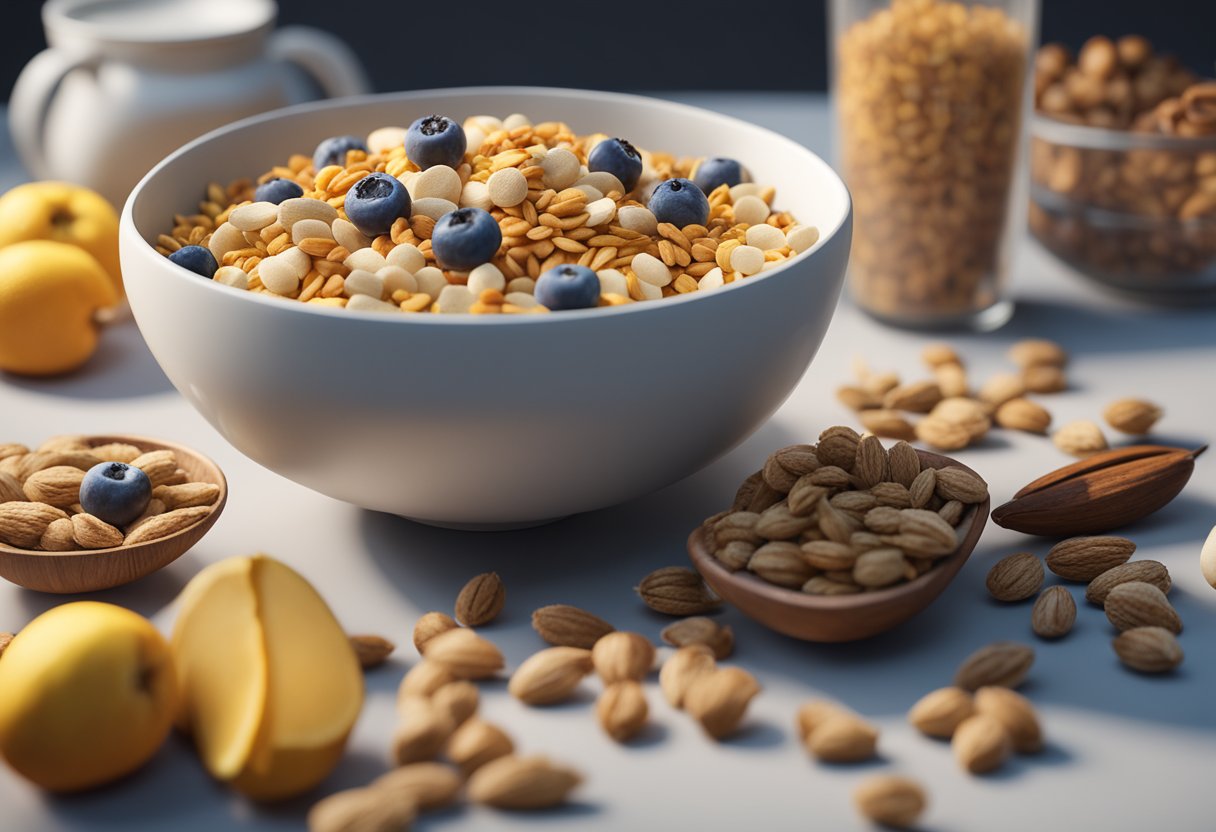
[[839, 617], [93, 569]]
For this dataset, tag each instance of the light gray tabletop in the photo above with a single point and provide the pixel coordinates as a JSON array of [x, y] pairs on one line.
[[1125, 752]]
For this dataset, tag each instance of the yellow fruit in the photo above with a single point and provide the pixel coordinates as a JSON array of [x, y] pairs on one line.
[[48, 294], [63, 213], [270, 684], [89, 694]]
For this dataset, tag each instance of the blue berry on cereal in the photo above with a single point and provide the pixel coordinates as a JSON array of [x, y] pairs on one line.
[[332, 151], [679, 202], [718, 171], [197, 259], [618, 157], [568, 286], [435, 140], [465, 238], [375, 202], [276, 190]]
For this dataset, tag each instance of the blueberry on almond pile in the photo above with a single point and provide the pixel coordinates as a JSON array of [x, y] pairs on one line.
[[435, 140], [332, 151], [197, 259], [465, 238], [276, 190], [679, 202], [375, 202], [618, 157], [568, 287], [717, 171]]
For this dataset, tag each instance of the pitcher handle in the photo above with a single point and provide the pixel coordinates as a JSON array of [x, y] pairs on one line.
[[325, 58], [30, 103]]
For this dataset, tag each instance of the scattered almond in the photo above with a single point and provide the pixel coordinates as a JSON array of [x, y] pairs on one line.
[[1085, 558], [1044, 379], [1003, 663], [681, 669], [512, 782], [1148, 649], [464, 653], [1132, 416], [917, 397], [888, 423], [458, 699], [719, 700], [371, 651], [981, 744], [814, 713], [935, 355], [952, 379], [430, 625], [1148, 571], [423, 731], [430, 785], [1024, 415], [550, 676], [364, 809], [1139, 604], [1038, 352], [676, 590], [1016, 577], [620, 657], [843, 738], [1001, 388], [566, 626], [857, 398], [892, 801], [939, 712], [1054, 613], [941, 434], [475, 743], [1015, 714], [481, 600], [701, 630], [423, 679], [622, 710], [1081, 438]]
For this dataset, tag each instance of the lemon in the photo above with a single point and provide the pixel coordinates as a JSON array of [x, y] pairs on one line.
[[48, 294]]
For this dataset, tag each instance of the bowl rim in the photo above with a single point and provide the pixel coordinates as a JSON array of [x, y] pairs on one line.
[[130, 231]]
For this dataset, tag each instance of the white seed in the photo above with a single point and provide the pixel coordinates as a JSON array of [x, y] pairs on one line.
[[772, 264], [612, 282], [232, 276], [360, 282], [1207, 558], [591, 193], [430, 280], [299, 208], [751, 209], [602, 181], [802, 237], [254, 216], [279, 275], [433, 207], [438, 182], [397, 279], [486, 276], [737, 192], [521, 299], [538, 151], [367, 259], [304, 229], [297, 259], [600, 212], [649, 290], [712, 279], [637, 218], [561, 168], [652, 270], [225, 239], [765, 237], [367, 303], [475, 195], [522, 284], [407, 256], [385, 139], [508, 187], [455, 299], [515, 120], [407, 179], [747, 260], [346, 235]]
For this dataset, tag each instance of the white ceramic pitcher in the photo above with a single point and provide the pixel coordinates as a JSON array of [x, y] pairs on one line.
[[125, 82]]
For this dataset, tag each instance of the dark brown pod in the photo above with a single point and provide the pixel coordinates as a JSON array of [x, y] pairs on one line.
[[1102, 492]]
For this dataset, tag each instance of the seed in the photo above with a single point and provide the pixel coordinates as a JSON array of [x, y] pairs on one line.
[[622, 656], [1054, 613], [622, 710], [1148, 649], [938, 713], [675, 590], [896, 802], [1016, 577], [1133, 416], [481, 599]]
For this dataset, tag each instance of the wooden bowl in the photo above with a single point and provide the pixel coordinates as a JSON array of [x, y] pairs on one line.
[[93, 569], [839, 617]]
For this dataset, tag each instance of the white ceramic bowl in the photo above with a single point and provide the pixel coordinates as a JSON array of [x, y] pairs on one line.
[[487, 420]]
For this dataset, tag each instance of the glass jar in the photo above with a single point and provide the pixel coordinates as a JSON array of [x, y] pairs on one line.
[[931, 99]]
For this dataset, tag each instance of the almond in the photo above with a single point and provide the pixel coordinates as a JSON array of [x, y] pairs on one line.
[[882, 567], [777, 522], [10, 449], [1138, 604], [935, 355], [939, 712], [718, 700], [805, 496], [941, 434], [737, 526], [160, 466], [1133, 416], [429, 626], [968, 414], [116, 452], [1085, 558], [1081, 438], [1038, 352], [1044, 379], [1054, 613], [65, 443], [952, 379], [888, 423], [981, 744], [954, 483], [781, 563], [187, 495], [550, 676], [923, 488], [566, 626], [838, 447], [843, 738], [819, 585], [459, 700], [1015, 714], [59, 537], [1001, 388], [904, 463], [32, 463], [681, 669], [701, 630], [1003, 663], [675, 590], [466, 654], [429, 785], [481, 600], [1016, 577], [622, 710], [783, 467], [1148, 649], [835, 524], [22, 523], [857, 398], [620, 657], [1024, 415], [523, 783], [366, 809], [423, 679], [735, 555], [828, 555], [814, 713], [917, 397], [371, 651], [830, 476], [1148, 571], [871, 465], [57, 486], [475, 743], [163, 525], [91, 532], [423, 731], [896, 802], [10, 489]]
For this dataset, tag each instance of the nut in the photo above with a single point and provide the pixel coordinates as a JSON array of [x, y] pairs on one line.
[[10, 489], [1016, 577], [481, 600], [1148, 649], [1003, 663], [22, 523], [187, 495], [429, 785], [465, 654], [1015, 714], [91, 532], [1133, 416], [843, 738], [365, 809], [429, 626], [619, 657], [475, 743], [522, 783], [675, 590], [681, 669], [719, 700], [424, 679], [701, 630], [1139, 604], [888, 423], [423, 731], [459, 700], [981, 744], [1085, 558], [59, 537], [163, 525], [622, 710], [781, 563], [892, 801], [1054, 613], [371, 651], [1036, 352], [566, 626], [954, 483], [1148, 571], [550, 676], [1024, 415], [938, 713], [160, 466], [1081, 438], [58, 486]]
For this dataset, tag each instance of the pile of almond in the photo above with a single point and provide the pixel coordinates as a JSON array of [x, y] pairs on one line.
[[40, 488], [956, 416], [844, 516]]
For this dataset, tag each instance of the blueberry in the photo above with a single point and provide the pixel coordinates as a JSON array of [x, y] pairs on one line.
[[197, 259], [568, 287], [115, 492], [712, 173], [333, 151], [680, 203], [435, 140], [276, 190], [618, 157], [465, 238], [375, 202]]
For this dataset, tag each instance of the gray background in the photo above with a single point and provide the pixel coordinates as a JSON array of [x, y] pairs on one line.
[[632, 45]]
